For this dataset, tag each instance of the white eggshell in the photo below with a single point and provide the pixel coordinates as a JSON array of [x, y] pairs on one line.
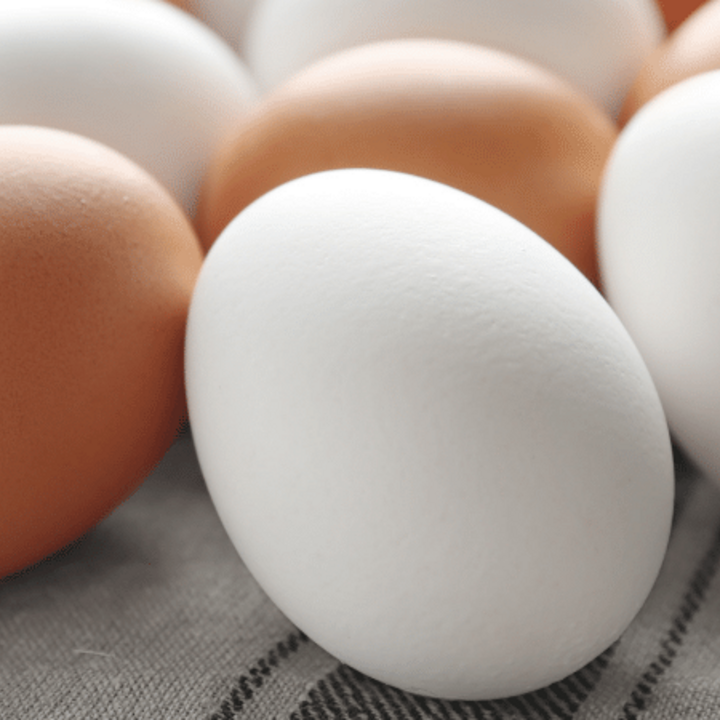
[[599, 45], [431, 440], [226, 17], [659, 241], [142, 77]]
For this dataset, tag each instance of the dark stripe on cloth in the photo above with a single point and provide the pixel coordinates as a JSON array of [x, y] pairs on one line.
[[246, 687], [346, 694], [696, 593], [686, 480]]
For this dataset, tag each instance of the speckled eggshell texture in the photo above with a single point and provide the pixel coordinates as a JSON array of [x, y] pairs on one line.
[[144, 78], [97, 265], [658, 229], [478, 119], [429, 437], [598, 45]]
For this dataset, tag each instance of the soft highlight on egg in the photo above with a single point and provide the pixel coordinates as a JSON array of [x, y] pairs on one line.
[[658, 229], [427, 434]]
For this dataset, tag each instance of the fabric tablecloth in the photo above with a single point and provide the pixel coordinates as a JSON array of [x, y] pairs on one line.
[[152, 615]]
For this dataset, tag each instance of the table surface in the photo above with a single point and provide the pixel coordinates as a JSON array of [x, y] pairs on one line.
[[153, 615]]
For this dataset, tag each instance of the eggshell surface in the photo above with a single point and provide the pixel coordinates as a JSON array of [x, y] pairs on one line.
[[658, 229], [144, 78], [227, 18], [429, 437], [675, 12], [598, 45], [692, 49], [474, 118], [97, 264]]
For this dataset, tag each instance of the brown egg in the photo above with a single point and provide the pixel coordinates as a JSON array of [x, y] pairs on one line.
[[97, 265], [182, 4], [477, 119], [692, 49], [676, 11]]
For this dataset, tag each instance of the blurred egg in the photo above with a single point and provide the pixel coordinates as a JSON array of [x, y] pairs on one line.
[[478, 119], [676, 11], [598, 45], [142, 77], [226, 17], [427, 434], [658, 230], [692, 49], [97, 265]]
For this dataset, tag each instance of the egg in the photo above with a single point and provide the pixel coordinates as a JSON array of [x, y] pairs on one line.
[[427, 434], [478, 119], [658, 228], [97, 266], [598, 45], [227, 18], [692, 49], [144, 78], [676, 11]]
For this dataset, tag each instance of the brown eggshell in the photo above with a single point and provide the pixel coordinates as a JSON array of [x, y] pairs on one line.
[[676, 11], [97, 266], [182, 4], [477, 119], [692, 49]]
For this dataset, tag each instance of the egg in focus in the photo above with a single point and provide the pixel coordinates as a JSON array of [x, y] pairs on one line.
[[97, 266], [428, 436], [477, 119]]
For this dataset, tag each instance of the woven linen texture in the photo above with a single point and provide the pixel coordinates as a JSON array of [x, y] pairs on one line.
[[152, 615]]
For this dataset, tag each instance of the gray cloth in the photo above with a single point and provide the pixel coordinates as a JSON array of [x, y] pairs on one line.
[[152, 615]]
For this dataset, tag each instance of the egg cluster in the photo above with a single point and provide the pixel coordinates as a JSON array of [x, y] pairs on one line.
[[433, 280]]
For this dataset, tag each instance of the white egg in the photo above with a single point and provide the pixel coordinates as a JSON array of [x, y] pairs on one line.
[[226, 17], [599, 45], [428, 436], [658, 232], [144, 78]]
